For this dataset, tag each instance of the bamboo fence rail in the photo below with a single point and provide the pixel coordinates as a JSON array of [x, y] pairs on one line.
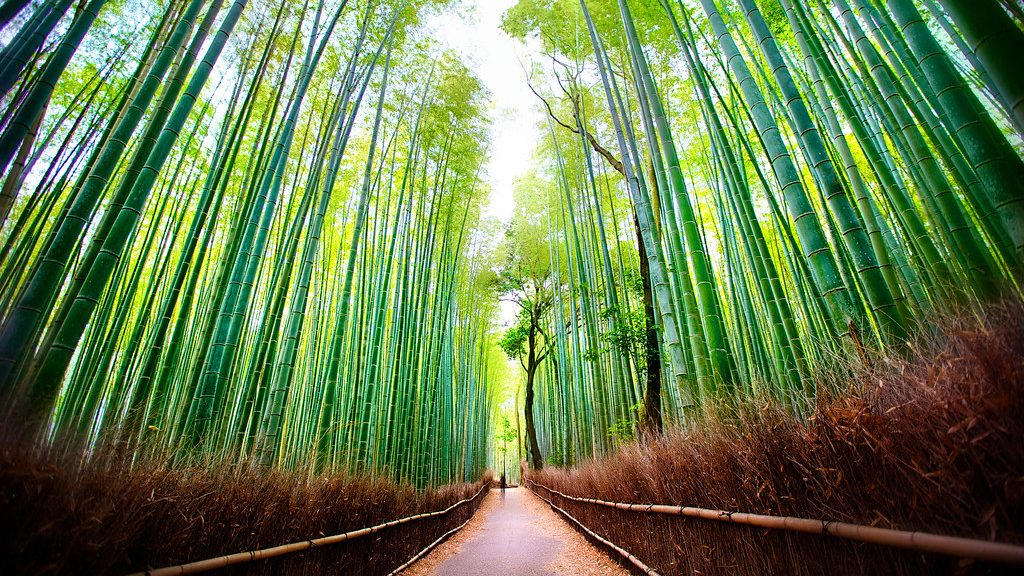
[[249, 556], [920, 541], [429, 547], [621, 551]]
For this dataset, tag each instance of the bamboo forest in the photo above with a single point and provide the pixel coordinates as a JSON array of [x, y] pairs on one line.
[[278, 270]]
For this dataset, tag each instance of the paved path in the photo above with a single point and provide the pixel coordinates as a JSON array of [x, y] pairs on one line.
[[516, 534]]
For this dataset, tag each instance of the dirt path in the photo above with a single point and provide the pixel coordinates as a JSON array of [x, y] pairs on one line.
[[516, 534]]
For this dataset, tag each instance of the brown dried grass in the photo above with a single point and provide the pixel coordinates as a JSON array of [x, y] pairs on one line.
[[931, 442], [60, 516]]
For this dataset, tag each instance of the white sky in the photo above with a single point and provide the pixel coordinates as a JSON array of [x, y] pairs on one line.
[[476, 35]]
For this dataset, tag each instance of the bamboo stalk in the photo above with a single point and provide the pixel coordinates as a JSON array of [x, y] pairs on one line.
[[242, 557], [920, 541]]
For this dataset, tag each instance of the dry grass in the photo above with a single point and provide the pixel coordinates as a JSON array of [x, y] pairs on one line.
[[104, 517], [934, 442]]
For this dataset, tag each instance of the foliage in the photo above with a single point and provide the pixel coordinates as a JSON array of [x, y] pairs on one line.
[[562, 456], [513, 342], [624, 430], [629, 335], [800, 182], [248, 230]]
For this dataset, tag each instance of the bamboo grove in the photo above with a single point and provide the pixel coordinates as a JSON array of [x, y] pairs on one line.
[[256, 232], [241, 231], [771, 184]]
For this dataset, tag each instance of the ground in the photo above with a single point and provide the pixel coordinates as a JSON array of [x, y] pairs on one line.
[[516, 534]]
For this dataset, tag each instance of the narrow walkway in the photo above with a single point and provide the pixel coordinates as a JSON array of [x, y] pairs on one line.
[[516, 534]]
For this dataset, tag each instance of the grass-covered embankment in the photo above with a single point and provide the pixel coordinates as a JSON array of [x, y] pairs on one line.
[[931, 442]]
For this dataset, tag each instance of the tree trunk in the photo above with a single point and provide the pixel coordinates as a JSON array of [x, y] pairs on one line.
[[650, 423], [536, 461]]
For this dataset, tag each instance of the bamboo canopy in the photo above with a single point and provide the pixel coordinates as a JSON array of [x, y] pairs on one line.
[[236, 231]]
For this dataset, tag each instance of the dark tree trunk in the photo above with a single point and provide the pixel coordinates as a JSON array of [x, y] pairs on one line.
[[651, 424], [536, 460]]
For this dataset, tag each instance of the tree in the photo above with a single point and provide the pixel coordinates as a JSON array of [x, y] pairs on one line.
[[506, 435], [525, 280], [651, 419]]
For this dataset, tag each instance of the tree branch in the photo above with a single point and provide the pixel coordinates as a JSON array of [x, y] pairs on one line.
[[604, 152], [551, 112], [616, 164]]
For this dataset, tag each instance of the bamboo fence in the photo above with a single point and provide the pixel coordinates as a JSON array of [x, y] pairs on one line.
[[251, 555], [921, 541]]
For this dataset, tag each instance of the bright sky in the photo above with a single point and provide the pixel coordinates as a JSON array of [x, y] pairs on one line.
[[477, 36], [495, 57]]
